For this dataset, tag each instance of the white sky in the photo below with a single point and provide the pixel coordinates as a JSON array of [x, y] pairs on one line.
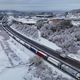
[[40, 4]]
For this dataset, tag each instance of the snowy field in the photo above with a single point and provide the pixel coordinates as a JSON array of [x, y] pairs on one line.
[[18, 63]]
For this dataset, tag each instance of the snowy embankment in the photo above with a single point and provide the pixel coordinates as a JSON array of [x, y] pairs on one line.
[[22, 64], [4, 62], [37, 38], [75, 56]]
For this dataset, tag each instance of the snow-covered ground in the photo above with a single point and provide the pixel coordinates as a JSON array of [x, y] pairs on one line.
[[28, 21], [75, 56], [76, 23], [23, 20], [4, 62], [18, 63]]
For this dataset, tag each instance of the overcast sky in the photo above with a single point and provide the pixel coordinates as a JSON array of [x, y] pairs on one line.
[[39, 4]]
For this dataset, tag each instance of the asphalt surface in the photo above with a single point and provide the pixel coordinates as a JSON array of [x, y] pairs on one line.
[[73, 63]]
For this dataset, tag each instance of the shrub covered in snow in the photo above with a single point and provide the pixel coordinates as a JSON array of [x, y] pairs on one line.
[[42, 71]]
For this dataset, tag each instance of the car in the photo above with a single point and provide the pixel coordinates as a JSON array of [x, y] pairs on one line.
[[63, 55], [41, 54], [71, 71], [33, 49], [54, 61]]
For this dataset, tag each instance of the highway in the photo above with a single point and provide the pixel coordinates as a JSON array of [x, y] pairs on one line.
[[48, 51]]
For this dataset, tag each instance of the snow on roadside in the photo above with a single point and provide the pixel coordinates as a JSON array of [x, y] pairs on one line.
[[20, 50], [13, 58], [49, 44], [74, 56], [4, 62], [23, 20]]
